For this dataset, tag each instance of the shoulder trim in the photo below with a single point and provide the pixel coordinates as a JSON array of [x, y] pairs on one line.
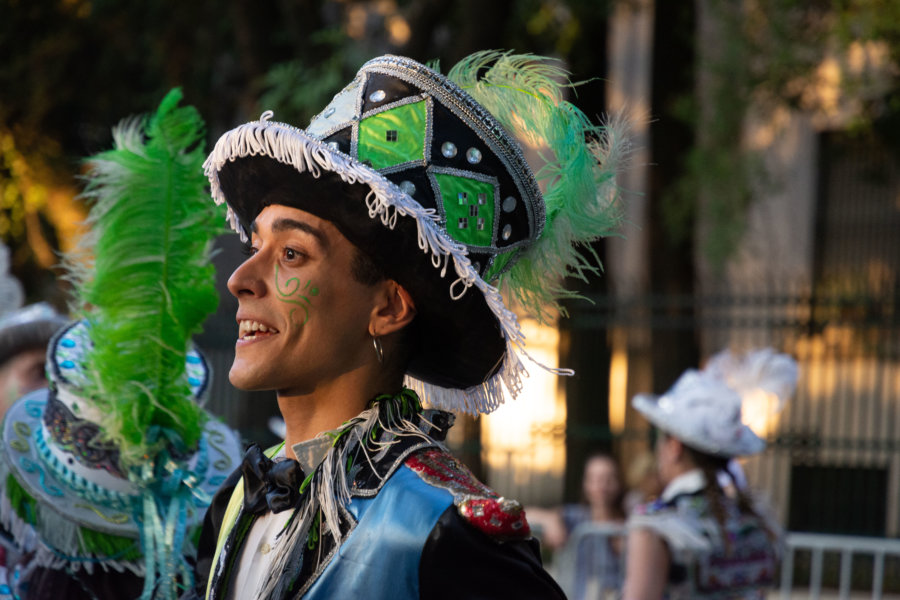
[[500, 518]]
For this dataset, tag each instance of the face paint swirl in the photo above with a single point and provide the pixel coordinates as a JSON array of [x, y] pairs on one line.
[[290, 292]]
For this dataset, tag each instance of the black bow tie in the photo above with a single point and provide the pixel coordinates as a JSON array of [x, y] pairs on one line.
[[270, 485]]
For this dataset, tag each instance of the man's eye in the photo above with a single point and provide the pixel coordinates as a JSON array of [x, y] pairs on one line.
[[248, 250], [291, 254]]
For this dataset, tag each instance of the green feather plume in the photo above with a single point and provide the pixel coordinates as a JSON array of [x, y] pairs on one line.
[[149, 282], [525, 93]]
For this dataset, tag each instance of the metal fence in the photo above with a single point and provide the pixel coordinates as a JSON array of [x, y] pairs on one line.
[[832, 463], [813, 566]]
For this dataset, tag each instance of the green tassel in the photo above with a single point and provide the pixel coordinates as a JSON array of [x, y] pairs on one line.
[[111, 547]]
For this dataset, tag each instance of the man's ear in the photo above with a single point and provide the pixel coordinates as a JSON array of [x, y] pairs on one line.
[[394, 309]]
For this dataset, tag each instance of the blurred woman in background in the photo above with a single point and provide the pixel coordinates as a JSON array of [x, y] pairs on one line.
[[699, 540], [588, 564]]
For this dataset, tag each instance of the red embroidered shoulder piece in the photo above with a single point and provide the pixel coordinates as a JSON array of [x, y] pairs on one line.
[[501, 518]]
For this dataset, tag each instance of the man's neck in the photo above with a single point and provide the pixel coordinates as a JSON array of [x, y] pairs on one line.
[[327, 407]]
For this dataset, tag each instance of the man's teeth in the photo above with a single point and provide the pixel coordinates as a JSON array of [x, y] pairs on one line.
[[249, 328]]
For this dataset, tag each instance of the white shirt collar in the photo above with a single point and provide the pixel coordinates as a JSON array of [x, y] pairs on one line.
[[690, 482], [310, 453]]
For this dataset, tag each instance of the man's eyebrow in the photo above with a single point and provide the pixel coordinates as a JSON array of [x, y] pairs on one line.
[[286, 224]]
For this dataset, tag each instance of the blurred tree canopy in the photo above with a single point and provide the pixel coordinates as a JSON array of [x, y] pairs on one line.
[[73, 68], [796, 54]]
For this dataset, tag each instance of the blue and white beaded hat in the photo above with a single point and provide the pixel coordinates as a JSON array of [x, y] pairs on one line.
[[69, 483], [425, 173]]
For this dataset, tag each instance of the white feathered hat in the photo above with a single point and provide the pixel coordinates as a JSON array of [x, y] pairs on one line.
[[704, 408]]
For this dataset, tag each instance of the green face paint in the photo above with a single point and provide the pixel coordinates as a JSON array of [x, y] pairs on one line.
[[290, 292]]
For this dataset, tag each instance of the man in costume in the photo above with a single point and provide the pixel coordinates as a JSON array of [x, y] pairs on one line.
[[108, 471], [376, 238]]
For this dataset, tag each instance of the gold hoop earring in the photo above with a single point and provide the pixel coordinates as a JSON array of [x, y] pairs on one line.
[[379, 351]]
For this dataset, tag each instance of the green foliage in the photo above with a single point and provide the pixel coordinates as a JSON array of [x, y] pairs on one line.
[[297, 89], [765, 53]]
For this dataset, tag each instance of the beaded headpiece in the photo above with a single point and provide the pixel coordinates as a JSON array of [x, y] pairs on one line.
[[426, 174]]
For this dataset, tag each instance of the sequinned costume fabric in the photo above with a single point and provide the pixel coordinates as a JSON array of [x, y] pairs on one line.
[[708, 564], [415, 516]]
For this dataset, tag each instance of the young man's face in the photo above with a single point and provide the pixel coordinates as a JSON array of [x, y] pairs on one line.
[[303, 318]]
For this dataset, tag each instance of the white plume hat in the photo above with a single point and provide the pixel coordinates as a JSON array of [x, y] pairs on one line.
[[704, 408]]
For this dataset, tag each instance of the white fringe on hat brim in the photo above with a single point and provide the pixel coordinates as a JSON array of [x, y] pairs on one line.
[[59, 545], [291, 146]]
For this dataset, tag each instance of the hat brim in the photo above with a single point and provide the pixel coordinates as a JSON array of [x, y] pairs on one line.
[[468, 335], [69, 498], [27, 335], [744, 443]]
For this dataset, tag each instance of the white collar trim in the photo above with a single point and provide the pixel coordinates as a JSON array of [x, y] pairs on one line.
[[310, 453], [690, 482]]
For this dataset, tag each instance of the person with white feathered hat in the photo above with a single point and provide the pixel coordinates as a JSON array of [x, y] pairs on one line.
[[700, 539], [377, 240]]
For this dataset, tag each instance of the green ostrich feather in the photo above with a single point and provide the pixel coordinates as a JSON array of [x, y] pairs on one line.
[[526, 94], [149, 283]]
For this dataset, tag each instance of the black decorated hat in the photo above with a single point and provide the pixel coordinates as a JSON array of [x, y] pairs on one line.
[[426, 174]]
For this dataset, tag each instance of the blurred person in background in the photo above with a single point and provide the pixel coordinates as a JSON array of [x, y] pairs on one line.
[[699, 540], [642, 481], [24, 335], [589, 562]]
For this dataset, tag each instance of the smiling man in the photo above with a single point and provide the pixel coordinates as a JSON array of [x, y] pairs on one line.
[[375, 239]]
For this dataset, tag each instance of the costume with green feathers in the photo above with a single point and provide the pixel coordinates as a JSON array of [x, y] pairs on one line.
[[425, 175], [113, 465]]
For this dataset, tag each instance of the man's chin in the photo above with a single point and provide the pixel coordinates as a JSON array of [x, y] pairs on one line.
[[247, 382]]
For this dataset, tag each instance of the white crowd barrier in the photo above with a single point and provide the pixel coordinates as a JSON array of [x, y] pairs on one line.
[[844, 548]]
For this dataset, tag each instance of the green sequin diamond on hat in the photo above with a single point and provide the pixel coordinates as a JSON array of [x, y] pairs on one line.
[[468, 207], [394, 136]]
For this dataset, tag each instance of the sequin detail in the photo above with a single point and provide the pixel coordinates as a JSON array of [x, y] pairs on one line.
[[408, 187], [473, 155], [498, 517], [448, 149]]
